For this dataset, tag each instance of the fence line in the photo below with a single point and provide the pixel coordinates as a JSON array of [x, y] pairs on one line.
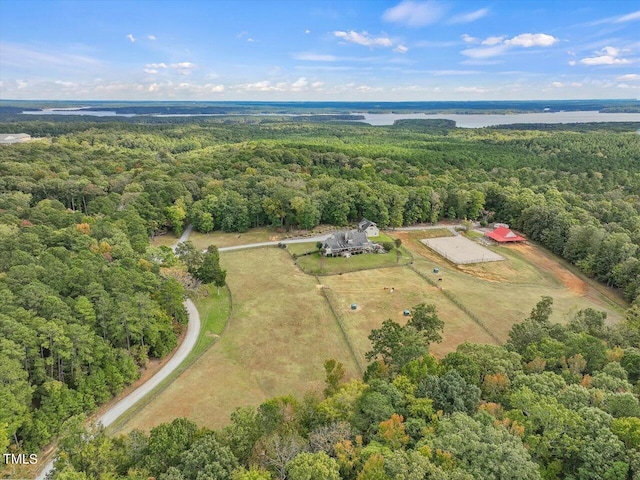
[[342, 327], [457, 303]]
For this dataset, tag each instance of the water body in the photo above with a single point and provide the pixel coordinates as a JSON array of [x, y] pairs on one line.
[[78, 111], [488, 120], [462, 120]]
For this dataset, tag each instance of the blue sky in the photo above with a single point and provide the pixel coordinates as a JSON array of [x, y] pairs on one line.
[[319, 50]]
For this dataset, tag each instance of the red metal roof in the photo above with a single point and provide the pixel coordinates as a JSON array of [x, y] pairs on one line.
[[503, 234]]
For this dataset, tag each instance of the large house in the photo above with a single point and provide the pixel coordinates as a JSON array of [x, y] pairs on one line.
[[352, 242]]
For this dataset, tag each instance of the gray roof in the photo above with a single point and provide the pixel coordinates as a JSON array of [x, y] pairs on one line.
[[346, 239], [364, 224]]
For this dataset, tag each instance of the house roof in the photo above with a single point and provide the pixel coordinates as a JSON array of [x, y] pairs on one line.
[[346, 239], [503, 234], [364, 224]]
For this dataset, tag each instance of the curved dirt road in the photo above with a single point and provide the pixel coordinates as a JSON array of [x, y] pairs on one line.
[[111, 415]]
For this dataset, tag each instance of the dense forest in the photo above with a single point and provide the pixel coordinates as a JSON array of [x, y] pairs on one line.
[[84, 303]]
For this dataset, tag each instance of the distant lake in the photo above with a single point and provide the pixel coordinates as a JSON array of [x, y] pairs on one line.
[[489, 120], [462, 120]]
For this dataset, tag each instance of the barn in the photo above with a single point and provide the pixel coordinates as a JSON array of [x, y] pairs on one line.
[[503, 234]]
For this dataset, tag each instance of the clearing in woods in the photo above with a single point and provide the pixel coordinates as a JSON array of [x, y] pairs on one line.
[[282, 329], [280, 333], [500, 294]]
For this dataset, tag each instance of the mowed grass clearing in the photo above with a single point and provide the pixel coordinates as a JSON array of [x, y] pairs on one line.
[[280, 333], [370, 291], [503, 293]]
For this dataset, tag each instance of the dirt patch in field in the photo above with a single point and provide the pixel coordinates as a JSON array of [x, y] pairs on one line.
[[482, 274], [541, 260]]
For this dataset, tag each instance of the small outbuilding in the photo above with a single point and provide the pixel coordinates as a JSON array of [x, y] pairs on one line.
[[354, 306], [406, 313], [504, 235], [368, 227]]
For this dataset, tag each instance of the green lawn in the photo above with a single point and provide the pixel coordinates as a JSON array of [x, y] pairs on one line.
[[214, 312], [301, 248], [316, 264]]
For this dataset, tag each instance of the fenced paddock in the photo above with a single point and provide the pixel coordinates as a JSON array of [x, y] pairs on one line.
[[461, 250]]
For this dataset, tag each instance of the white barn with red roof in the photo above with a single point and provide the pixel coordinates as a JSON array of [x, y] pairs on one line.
[[503, 235]]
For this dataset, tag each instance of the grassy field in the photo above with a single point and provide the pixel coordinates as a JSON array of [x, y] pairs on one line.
[[214, 312], [302, 248], [280, 333], [503, 293], [370, 291]]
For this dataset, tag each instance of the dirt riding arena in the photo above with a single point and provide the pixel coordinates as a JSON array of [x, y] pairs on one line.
[[461, 251]]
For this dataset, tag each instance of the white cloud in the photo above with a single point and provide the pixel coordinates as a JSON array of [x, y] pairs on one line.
[[497, 45], [485, 52], [183, 65], [151, 37], [532, 40], [630, 17], [469, 38], [183, 68], [415, 13], [368, 89], [608, 56], [131, 38], [401, 49], [268, 86], [307, 31], [563, 85], [471, 90], [155, 66], [469, 17], [299, 84], [154, 87], [65, 84], [315, 57], [150, 71], [364, 39], [572, 62], [629, 77], [493, 40]]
